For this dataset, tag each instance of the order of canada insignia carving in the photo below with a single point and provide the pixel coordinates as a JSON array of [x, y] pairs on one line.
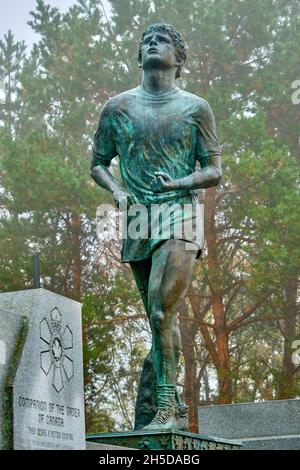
[[56, 357]]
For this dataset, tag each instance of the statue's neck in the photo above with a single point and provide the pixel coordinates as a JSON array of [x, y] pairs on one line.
[[158, 80]]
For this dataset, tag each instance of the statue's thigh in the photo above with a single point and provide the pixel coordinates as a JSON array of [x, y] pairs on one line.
[[171, 273]]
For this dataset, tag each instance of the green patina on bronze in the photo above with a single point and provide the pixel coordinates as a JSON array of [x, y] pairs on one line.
[[168, 132], [173, 440], [7, 400], [167, 146]]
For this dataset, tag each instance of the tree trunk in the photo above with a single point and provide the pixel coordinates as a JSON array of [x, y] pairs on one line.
[[223, 368], [222, 360], [76, 265], [191, 387], [287, 388]]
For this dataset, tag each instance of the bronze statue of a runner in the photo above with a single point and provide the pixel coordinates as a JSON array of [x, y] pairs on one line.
[[159, 133]]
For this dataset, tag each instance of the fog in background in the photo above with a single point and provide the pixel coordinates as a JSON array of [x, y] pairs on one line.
[[16, 13]]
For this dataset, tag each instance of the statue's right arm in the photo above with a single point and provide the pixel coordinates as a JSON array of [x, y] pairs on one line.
[[103, 177], [104, 150]]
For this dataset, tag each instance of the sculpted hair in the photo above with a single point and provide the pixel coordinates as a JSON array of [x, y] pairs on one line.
[[177, 40]]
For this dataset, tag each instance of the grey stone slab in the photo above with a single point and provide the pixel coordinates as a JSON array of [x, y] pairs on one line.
[[242, 420], [48, 400], [282, 443], [93, 446]]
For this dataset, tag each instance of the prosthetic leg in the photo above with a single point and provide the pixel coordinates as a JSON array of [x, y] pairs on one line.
[[147, 400]]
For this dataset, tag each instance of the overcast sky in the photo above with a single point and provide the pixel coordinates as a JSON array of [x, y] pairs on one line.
[[14, 15]]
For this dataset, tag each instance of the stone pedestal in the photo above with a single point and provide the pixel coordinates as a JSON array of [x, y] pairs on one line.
[[270, 425], [167, 440], [102, 447], [41, 371]]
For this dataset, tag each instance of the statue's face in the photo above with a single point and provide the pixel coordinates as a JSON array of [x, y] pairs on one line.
[[158, 51]]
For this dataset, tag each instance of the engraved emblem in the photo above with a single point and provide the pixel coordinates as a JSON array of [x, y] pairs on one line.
[[55, 360]]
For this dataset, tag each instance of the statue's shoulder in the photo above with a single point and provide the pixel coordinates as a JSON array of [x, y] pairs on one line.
[[120, 100], [198, 102]]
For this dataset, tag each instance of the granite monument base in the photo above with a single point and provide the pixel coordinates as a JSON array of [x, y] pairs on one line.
[[270, 425], [166, 440], [41, 372], [101, 447]]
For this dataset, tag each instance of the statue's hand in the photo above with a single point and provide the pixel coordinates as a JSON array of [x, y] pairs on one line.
[[121, 196], [162, 182]]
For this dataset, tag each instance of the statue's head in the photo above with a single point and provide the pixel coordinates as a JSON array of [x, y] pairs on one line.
[[162, 44]]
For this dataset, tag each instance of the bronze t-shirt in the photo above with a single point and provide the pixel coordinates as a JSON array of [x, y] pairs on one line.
[[169, 132]]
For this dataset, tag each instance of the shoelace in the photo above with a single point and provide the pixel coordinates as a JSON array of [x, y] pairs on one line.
[[161, 417]]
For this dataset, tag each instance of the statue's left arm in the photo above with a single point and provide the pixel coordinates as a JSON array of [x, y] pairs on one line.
[[208, 153]]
